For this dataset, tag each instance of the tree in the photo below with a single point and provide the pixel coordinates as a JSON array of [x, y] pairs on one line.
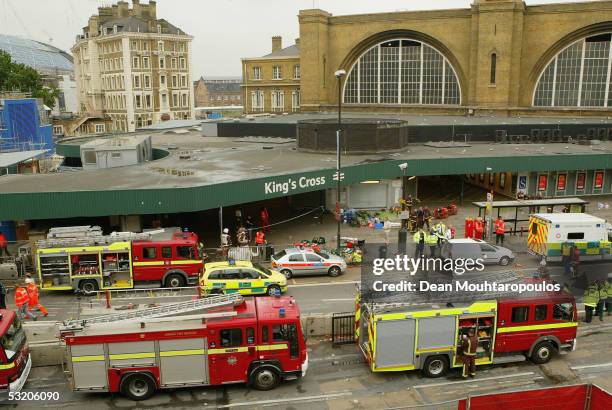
[[22, 78]]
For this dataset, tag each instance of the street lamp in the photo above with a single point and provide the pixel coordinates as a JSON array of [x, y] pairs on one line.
[[339, 75]]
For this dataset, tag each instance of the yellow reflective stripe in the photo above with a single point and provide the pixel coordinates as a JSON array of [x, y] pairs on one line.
[[132, 356], [536, 327], [229, 350], [185, 262], [172, 353], [155, 263], [435, 349], [7, 366], [272, 347], [93, 358]]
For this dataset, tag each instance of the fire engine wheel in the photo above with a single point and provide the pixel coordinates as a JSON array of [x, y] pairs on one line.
[[265, 379], [435, 366], [138, 387], [175, 280], [288, 274], [334, 271], [273, 290], [542, 353], [88, 286], [504, 261]]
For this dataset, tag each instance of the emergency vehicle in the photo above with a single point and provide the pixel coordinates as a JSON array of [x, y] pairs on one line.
[[242, 277], [587, 233], [400, 337], [111, 262], [258, 341], [15, 360]]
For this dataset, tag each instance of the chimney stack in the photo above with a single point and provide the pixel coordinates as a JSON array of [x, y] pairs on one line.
[[277, 43]]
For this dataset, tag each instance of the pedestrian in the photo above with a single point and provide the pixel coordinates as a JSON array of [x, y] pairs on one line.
[[575, 262], [426, 216], [260, 240], [249, 224], [469, 345], [3, 245], [469, 227], [440, 230], [34, 297], [21, 302], [478, 228], [591, 298], [419, 217], [500, 230], [602, 290], [419, 241], [566, 257], [432, 241], [225, 241], [608, 287], [3, 293], [265, 219]]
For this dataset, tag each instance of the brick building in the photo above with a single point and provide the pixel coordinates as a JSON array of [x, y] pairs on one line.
[[217, 91]]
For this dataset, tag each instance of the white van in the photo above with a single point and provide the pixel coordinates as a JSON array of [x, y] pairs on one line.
[[548, 233]]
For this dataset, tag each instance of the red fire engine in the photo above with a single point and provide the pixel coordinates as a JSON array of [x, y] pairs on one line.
[[257, 341], [531, 326], [118, 262], [15, 361]]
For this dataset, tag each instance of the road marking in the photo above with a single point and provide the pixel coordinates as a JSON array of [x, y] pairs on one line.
[[347, 282], [289, 400], [424, 386], [338, 300], [589, 366]]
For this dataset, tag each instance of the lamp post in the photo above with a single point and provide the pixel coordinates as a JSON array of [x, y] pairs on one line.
[[339, 75], [402, 235]]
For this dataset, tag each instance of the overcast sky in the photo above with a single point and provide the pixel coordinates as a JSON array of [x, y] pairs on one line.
[[224, 30]]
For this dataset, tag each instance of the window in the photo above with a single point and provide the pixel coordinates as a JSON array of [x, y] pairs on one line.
[[296, 72], [100, 128], [148, 101], [135, 62], [520, 314], [145, 45], [145, 62], [138, 101], [182, 47], [183, 81], [276, 72], [115, 155], [134, 45], [166, 252], [162, 63], [256, 73], [257, 100], [231, 337], [231, 274], [183, 63], [296, 257], [575, 235], [175, 100], [174, 81], [287, 333], [149, 252], [249, 274], [164, 100], [313, 258], [162, 80], [278, 100], [147, 81], [563, 311], [265, 338], [160, 45], [89, 156], [184, 100], [487, 248], [295, 100], [541, 312], [493, 68], [136, 81], [173, 63], [250, 336], [280, 333], [58, 130], [185, 252]]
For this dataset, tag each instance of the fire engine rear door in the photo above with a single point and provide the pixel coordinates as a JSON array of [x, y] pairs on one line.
[[183, 361], [395, 343], [436, 334]]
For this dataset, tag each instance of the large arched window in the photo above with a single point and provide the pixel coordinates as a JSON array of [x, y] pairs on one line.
[[578, 76], [402, 71]]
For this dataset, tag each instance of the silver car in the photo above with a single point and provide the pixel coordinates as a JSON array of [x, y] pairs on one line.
[[467, 248], [294, 261]]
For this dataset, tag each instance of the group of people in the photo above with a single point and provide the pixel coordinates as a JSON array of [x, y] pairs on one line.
[[597, 299], [27, 299], [432, 238]]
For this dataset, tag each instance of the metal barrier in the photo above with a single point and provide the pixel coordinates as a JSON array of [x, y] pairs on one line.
[[343, 328]]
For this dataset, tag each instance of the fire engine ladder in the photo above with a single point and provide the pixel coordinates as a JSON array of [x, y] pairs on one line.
[[88, 237], [155, 312], [147, 293]]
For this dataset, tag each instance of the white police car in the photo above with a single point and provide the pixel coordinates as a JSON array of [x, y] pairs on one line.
[[294, 261]]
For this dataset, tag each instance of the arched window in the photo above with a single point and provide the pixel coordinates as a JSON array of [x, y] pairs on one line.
[[493, 68], [402, 71], [578, 76]]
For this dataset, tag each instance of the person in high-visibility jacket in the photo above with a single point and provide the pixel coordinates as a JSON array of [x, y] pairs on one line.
[[21, 302], [591, 298], [440, 231], [260, 241], [34, 298], [469, 344], [419, 242], [608, 286], [602, 287], [500, 230], [431, 240]]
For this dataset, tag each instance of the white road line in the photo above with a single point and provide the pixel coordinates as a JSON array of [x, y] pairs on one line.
[[347, 282], [423, 386], [589, 366], [338, 300], [277, 401]]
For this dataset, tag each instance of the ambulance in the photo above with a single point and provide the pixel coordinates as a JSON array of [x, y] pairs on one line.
[[400, 337], [548, 232]]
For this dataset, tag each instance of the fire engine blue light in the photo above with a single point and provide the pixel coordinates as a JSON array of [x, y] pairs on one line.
[[281, 312]]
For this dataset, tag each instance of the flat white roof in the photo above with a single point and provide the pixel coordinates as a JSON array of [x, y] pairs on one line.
[[8, 159], [569, 217]]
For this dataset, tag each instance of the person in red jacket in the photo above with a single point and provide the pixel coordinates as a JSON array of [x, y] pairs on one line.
[[34, 298], [21, 302], [3, 245], [260, 241], [500, 230], [478, 229], [265, 219]]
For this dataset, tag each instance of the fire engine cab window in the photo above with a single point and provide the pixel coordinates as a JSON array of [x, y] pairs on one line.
[[149, 253], [520, 314], [185, 252], [166, 252], [575, 235], [279, 333], [264, 334], [563, 311], [541, 312], [250, 335], [231, 337]]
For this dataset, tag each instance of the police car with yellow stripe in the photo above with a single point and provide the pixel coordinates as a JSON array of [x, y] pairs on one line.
[[241, 277]]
